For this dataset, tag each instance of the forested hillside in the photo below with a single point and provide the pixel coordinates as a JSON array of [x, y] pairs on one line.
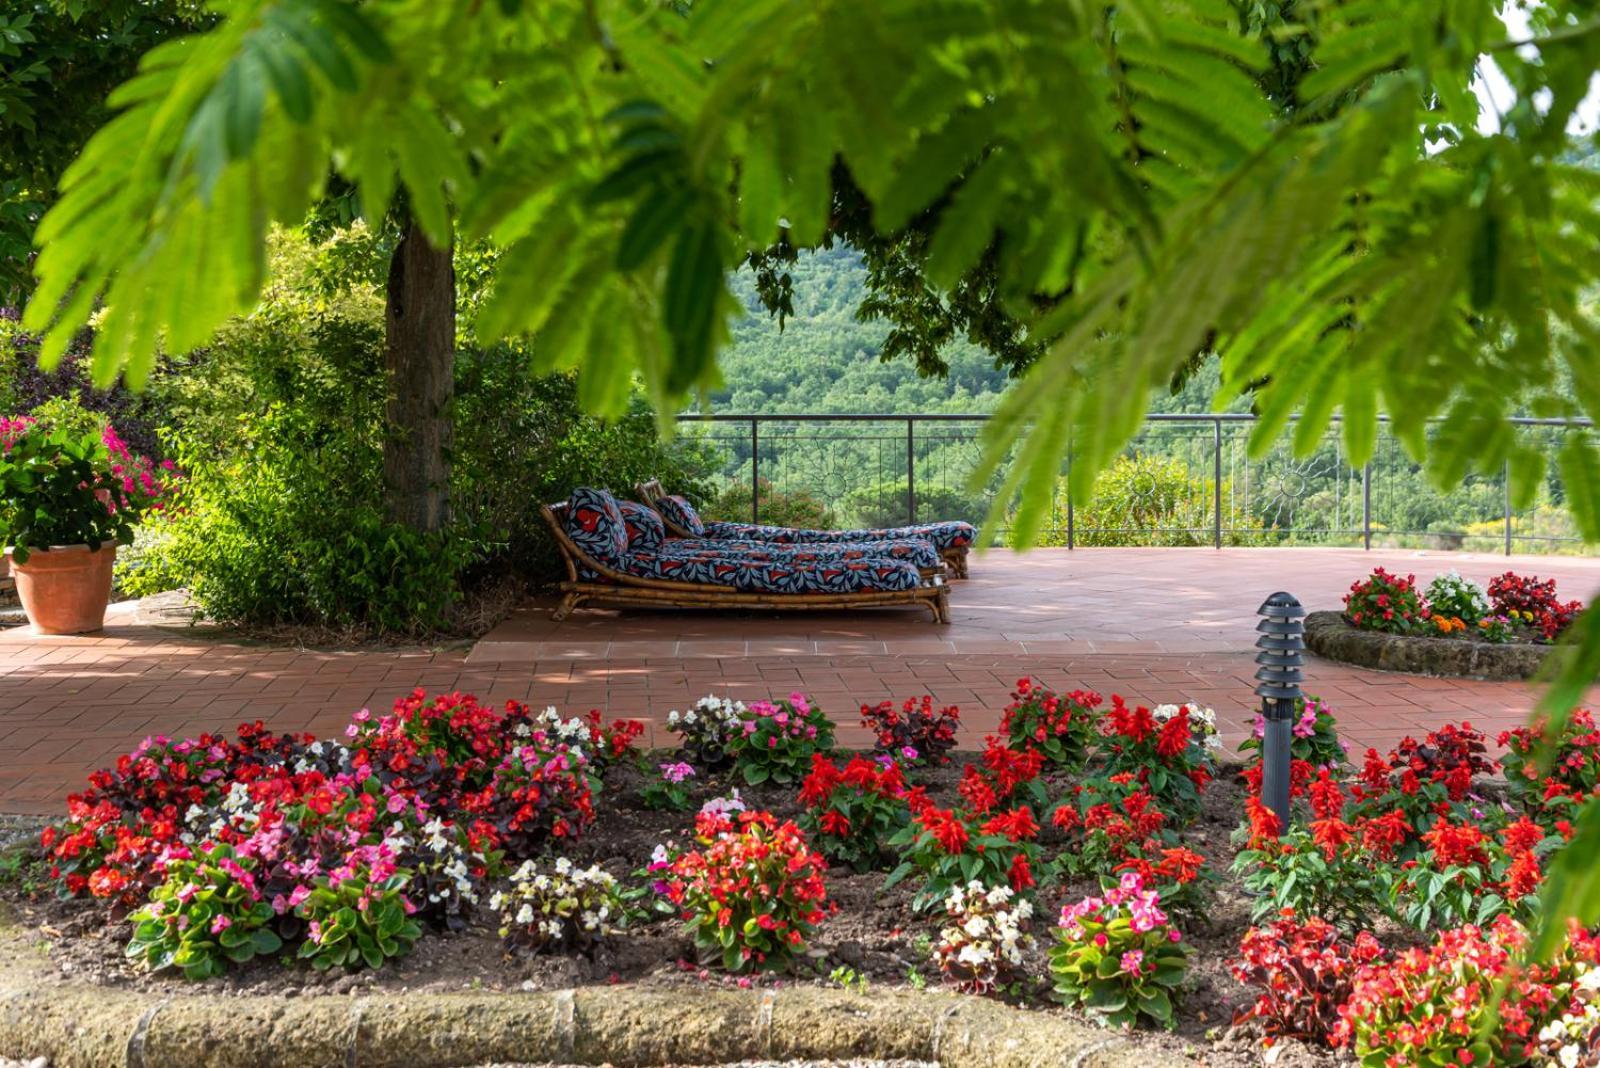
[[1164, 491], [823, 360]]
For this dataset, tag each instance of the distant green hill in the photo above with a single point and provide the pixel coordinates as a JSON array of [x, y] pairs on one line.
[[823, 360]]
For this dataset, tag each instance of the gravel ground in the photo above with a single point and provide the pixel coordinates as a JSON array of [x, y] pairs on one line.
[[15, 829]]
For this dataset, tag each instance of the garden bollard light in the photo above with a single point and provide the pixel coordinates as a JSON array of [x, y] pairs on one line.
[[1282, 641]]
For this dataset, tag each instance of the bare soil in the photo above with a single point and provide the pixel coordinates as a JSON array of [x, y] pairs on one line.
[[875, 933]]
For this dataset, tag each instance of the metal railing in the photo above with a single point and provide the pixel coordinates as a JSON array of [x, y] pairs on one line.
[[1184, 480]]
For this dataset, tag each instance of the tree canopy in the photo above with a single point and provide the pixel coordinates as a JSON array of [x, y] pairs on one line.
[[59, 59]]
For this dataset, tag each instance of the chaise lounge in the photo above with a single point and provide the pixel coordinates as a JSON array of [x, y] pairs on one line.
[[647, 528], [952, 539], [604, 566]]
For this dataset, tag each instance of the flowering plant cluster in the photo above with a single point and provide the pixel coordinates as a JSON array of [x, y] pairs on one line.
[[1411, 838], [776, 740], [1573, 1040], [1118, 956], [1437, 1005], [751, 894], [608, 742], [1452, 597], [1329, 870], [981, 946], [1171, 750], [950, 847], [1063, 727], [358, 912], [1113, 826], [707, 730], [208, 912], [1305, 971], [1385, 602], [339, 852], [1472, 875], [539, 791], [148, 486], [565, 909], [852, 811], [914, 735], [65, 486], [667, 791], [1531, 602], [1313, 737], [1574, 774]]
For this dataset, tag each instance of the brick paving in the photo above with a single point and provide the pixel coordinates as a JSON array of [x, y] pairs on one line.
[[1153, 625]]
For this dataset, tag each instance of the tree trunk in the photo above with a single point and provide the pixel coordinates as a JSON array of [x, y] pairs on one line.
[[419, 367]]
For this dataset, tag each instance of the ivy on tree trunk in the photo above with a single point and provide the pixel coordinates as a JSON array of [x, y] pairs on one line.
[[419, 365]]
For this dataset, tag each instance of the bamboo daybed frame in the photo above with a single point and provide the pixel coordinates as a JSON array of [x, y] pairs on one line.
[[651, 493], [631, 590]]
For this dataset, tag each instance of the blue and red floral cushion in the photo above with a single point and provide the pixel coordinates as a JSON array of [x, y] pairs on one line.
[[918, 552], [766, 573], [645, 529], [948, 535], [595, 525], [681, 513]]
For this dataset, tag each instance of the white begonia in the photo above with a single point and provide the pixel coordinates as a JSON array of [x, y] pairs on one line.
[[569, 904], [987, 937]]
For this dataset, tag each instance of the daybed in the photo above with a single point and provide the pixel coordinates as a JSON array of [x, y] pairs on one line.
[[647, 529], [602, 566], [951, 539]]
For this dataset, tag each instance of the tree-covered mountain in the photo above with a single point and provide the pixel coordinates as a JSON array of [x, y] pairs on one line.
[[822, 359]]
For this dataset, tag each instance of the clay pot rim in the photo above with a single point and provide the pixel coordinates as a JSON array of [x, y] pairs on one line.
[[78, 547]]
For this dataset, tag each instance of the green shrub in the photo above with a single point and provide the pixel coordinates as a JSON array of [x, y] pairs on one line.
[[884, 505], [272, 534], [279, 429], [1151, 500], [780, 508]]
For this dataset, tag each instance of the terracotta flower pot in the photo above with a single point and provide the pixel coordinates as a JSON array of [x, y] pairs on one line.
[[65, 590]]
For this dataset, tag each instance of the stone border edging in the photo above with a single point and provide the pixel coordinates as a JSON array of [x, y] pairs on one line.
[[1328, 635], [85, 1027]]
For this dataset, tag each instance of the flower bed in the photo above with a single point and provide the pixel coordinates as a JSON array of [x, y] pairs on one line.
[[1452, 627], [450, 844]]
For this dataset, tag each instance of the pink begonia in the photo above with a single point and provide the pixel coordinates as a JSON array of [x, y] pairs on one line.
[[1133, 961], [13, 428], [220, 924], [677, 773]]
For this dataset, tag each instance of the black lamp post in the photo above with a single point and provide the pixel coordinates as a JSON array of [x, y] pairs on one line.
[[1282, 641]]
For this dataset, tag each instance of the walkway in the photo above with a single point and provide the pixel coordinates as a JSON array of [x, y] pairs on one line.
[[1153, 625]]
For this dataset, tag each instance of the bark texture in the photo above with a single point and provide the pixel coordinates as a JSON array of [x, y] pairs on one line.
[[419, 366]]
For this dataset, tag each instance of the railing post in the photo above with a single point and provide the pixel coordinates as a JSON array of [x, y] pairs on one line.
[[1505, 480], [1366, 505], [1216, 480], [911, 471], [1072, 532], [755, 472]]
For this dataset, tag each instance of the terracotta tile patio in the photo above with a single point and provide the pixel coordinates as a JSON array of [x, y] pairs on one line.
[[1153, 625]]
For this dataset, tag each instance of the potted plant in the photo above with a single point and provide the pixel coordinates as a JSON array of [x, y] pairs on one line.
[[67, 500]]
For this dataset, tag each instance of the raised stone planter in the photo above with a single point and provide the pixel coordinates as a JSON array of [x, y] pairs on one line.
[[1329, 635]]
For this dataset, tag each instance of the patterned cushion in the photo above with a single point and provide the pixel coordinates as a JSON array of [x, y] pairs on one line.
[[681, 512], [645, 529], [949, 535], [918, 552], [752, 574], [595, 525]]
